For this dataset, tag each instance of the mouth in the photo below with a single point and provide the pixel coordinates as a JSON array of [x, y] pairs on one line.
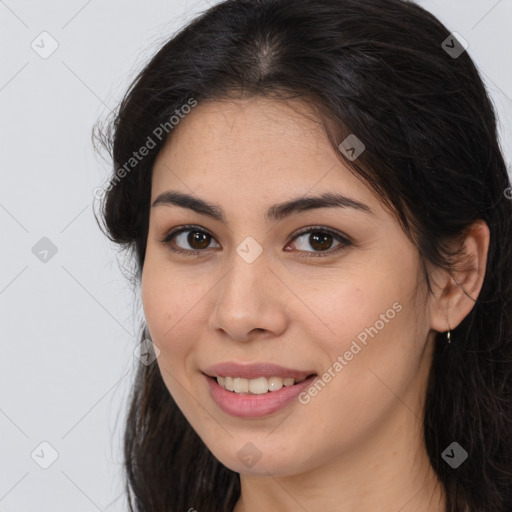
[[259, 385], [255, 390], [255, 370]]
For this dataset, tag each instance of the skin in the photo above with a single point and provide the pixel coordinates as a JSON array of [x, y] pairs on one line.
[[357, 445]]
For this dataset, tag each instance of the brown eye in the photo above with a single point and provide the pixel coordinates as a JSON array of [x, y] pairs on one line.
[[188, 239], [198, 237], [321, 241]]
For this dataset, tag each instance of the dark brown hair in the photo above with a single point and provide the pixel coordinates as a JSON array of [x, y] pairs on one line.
[[376, 69]]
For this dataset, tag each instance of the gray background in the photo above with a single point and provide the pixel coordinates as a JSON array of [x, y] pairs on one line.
[[69, 322]]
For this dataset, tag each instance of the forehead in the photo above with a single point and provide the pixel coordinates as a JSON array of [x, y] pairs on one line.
[[248, 147]]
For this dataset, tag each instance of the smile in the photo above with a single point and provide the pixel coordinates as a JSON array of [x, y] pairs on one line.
[[249, 405], [257, 386]]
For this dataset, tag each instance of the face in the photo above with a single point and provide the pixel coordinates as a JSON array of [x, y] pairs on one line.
[[259, 292]]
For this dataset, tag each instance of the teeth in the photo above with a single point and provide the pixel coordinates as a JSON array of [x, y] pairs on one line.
[[257, 386], [275, 383], [228, 383], [240, 385]]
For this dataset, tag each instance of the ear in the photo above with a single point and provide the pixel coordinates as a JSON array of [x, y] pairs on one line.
[[455, 294]]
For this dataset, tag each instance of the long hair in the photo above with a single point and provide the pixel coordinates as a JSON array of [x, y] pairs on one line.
[[386, 71]]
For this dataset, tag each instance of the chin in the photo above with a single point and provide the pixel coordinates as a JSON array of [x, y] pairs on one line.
[[256, 458]]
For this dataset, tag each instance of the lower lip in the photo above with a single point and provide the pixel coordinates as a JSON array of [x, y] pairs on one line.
[[255, 406]]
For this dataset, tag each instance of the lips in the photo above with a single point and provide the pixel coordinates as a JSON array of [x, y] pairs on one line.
[[255, 406], [255, 370], [262, 403]]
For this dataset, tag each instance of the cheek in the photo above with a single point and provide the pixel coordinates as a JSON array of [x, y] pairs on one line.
[[358, 305], [174, 302], [157, 301], [370, 324], [374, 359], [167, 302], [172, 321]]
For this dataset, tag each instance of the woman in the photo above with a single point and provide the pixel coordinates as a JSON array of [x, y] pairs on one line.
[[317, 207]]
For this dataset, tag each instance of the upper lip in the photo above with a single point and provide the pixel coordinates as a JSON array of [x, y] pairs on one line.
[[254, 370]]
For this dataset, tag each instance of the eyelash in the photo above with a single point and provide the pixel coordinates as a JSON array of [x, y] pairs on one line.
[[344, 241]]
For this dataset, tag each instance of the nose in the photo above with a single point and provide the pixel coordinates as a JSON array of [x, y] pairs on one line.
[[250, 301]]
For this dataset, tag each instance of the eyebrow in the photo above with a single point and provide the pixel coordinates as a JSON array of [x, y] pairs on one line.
[[275, 213]]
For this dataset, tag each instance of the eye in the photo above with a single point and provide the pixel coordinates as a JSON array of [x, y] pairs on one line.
[[198, 239], [319, 238]]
